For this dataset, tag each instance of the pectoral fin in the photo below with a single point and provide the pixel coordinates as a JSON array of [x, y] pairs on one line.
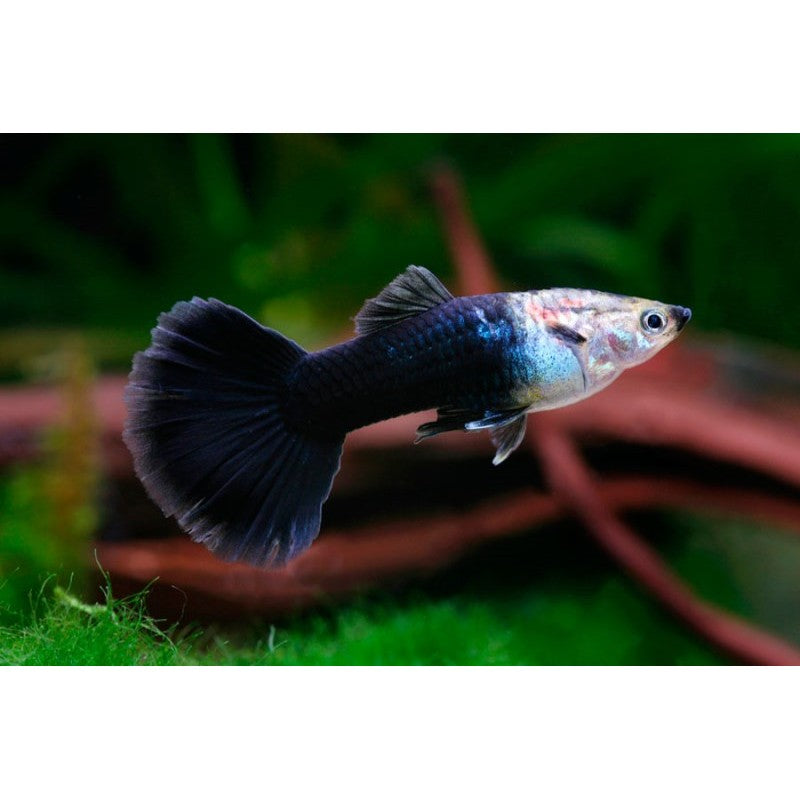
[[566, 334]]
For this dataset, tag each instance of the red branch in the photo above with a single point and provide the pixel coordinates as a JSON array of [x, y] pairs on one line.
[[475, 271], [344, 561], [572, 483]]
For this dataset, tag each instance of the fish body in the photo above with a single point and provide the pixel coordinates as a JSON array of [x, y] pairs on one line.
[[468, 353], [237, 431]]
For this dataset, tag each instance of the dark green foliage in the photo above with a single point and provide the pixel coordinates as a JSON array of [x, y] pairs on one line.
[[110, 230]]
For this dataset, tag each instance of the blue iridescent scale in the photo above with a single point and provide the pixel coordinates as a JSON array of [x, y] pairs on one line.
[[469, 353]]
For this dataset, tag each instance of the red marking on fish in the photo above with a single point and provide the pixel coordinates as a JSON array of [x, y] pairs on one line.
[[572, 302], [618, 343], [540, 313]]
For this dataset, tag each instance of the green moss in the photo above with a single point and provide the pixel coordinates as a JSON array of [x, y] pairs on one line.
[[538, 626], [541, 625], [67, 632]]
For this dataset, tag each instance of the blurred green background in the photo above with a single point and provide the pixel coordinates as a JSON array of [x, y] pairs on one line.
[[104, 232], [99, 233]]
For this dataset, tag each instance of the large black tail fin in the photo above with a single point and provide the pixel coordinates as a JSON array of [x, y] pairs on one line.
[[208, 437]]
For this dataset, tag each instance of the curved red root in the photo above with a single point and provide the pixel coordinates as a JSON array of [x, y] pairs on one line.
[[571, 481]]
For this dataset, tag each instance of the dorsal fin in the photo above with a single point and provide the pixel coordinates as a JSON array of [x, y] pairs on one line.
[[412, 292]]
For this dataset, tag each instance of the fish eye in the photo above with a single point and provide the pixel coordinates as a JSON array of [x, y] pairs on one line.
[[653, 321]]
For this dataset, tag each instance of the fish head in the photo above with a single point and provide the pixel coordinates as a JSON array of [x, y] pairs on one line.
[[618, 331], [631, 330]]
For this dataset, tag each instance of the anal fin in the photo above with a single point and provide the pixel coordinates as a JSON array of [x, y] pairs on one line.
[[447, 419], [507, 427]]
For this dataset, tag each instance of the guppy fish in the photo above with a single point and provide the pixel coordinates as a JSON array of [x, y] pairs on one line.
[[237, 432]]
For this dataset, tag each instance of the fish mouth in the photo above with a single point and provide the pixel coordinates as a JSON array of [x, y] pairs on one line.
[[681, 316]]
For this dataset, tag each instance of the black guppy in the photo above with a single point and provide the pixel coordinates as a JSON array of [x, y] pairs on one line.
[[237, 432]]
